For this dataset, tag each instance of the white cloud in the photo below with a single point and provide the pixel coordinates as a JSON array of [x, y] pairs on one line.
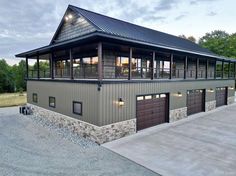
[[26, 25]]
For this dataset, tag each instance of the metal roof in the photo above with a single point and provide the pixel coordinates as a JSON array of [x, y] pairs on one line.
[[117, 29]]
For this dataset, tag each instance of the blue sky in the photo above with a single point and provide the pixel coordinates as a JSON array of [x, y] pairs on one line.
[[28, 24]]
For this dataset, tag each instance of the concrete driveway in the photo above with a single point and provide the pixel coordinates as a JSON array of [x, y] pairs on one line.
[[28, 149], [204, 144]]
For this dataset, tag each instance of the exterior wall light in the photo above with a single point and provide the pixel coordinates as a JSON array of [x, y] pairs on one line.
[[121, 102], [210, 90], [231, 88], [179, 94]]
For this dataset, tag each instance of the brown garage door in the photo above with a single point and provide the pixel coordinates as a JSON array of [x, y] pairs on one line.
[[221, 94], [195, 101], [151, 110]]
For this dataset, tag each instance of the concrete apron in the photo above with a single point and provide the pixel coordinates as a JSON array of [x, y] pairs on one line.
[[147, 153]]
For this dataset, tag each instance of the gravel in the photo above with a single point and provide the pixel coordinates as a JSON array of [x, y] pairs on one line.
[[35, 148], [64, 133]]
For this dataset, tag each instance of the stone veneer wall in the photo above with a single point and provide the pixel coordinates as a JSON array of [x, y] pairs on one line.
[[95, 133], [231, 100], [177, 114], [210, 105]]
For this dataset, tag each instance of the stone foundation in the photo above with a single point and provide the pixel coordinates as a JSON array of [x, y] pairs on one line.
[[177, 114], [231, 100], [95, 133], [210, 105]]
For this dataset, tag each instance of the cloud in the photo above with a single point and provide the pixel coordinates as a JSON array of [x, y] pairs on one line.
[[26, 25], [194, 2], [166, 5], [180, 17], [211, 14]]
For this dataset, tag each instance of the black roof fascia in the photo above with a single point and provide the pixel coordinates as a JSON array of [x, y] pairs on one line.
[[48, 48]]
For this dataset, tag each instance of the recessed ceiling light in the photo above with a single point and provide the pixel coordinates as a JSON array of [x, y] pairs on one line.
[[70, 16]]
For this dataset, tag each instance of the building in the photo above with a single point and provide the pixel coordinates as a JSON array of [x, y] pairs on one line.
[[108, 78]]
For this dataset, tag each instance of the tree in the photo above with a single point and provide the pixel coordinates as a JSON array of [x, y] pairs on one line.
[[191, 38], [220, 42], [19, 72], [6, 77]]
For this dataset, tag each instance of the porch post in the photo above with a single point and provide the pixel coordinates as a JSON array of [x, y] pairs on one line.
[[38, 73], [52, 65], [171, 65], [222, 74], [234, 69], [197, 68], [100, 61], [153, 61], [185, 67], [71, 65], [229, 69], [207, 67], [27, 67], [130, 65], [215, 69]]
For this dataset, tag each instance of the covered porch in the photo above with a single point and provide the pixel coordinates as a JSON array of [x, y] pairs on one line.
[[110, 61]]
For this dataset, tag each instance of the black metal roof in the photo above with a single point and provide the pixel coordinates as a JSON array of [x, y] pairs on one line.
[[118, 29], [128, 30]]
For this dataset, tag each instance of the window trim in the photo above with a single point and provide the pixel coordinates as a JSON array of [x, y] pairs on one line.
[[54, 102], [74, 108], [35, 94]]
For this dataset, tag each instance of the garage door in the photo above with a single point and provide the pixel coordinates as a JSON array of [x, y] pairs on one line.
[[221, 94], [151, 110], [195, 101]]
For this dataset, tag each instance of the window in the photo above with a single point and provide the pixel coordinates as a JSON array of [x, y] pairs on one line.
[[52, 102], [35, 98], [148, 97], [90, 66], [140, 98], [122, 67], [136, 68], [219, 69], [77, 107]]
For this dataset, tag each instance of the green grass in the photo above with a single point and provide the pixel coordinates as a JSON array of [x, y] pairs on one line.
[[12, 99]]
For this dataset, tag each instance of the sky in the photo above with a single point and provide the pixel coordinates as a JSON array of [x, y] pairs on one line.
[[29, 24]]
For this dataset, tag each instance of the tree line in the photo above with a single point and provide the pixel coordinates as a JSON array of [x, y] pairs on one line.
[[219, 42], [12, 78]]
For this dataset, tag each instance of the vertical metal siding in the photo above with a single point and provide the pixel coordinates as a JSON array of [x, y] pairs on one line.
[[100, 107], [65, 94], [110, 93]]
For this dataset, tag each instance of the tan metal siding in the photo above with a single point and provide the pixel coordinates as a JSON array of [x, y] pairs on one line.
[[65, 94], [101, 108], [110, 93]]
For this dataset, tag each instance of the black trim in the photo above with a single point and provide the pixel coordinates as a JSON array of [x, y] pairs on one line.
[[54, 102], [117, 81], [35, 94], [78, 102]]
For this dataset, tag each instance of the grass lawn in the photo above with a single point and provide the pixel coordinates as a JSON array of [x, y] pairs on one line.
[[12, 99]]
